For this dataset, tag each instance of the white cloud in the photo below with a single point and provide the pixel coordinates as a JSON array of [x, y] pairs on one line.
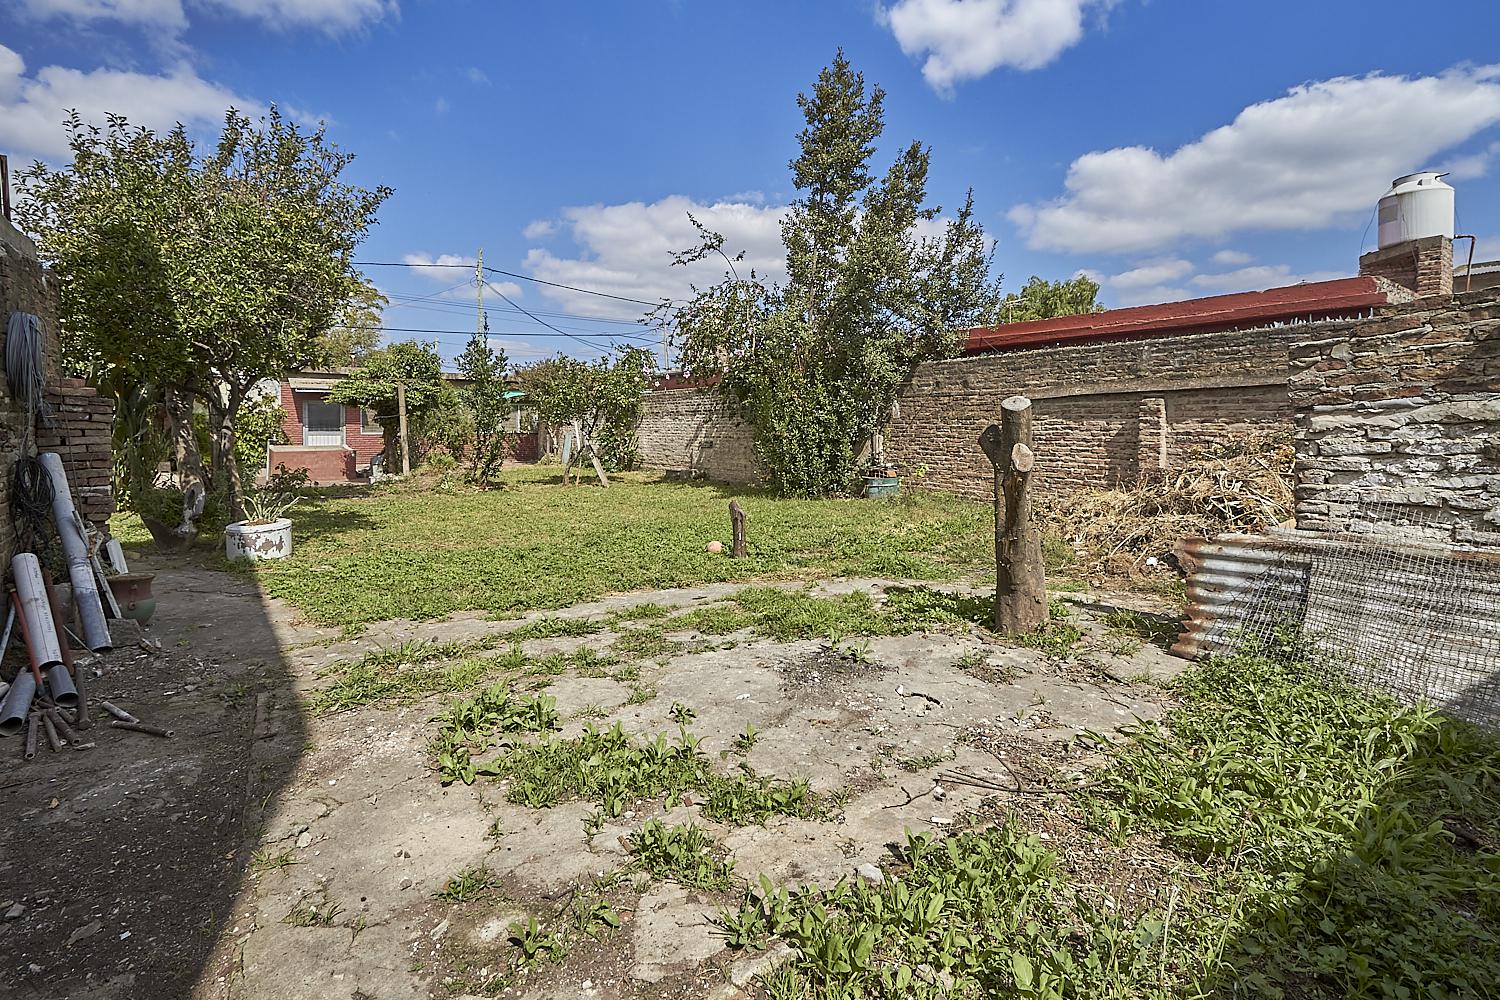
[[476, 75], [1231, 258], [965, 39], [538, 228], [1472, 165], [161, 15], [170, 16], [1318, 156], [32, 108], [450, 269], [1259, 277], [331, 16], [625, 250], [440, 106], [1157, 272]]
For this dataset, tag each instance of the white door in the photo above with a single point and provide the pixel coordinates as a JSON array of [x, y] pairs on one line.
[[322, 423]]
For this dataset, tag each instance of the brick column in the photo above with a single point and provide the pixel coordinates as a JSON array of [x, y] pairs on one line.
[[1152, 436]]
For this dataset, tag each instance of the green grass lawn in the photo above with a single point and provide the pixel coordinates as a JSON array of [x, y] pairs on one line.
[[404, 551]]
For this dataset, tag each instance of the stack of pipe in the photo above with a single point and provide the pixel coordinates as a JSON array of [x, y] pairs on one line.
[[43, 648]]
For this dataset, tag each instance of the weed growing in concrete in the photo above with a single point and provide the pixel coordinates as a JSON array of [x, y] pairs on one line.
[[745, 742], [469, 726], [552, 627], [313, 911], [640, 694], [681, 714], [469, 884], [264, 861], [683, 854], [924, 762], [1138, 625], [411, 671], [536, 943], [607, 767]]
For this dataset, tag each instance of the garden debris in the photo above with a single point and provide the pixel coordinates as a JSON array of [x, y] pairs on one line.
[[1240, 484]]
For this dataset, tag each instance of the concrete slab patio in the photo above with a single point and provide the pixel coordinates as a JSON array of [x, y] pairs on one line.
[[333, 832]]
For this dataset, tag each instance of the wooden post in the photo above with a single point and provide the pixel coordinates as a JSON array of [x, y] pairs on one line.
[[1020, 578], [401, 418], [737, 527]]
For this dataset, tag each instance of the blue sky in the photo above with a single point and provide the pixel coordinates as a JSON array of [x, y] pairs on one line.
[[1169, 147]]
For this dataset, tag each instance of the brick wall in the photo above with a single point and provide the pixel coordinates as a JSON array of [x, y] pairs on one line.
[[324, 465], [695, 430], [80, 432], [1403, 410], [1102, 412], [1424, 266]]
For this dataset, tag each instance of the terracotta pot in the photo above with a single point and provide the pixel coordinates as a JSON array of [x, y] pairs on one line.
[[133, 594]]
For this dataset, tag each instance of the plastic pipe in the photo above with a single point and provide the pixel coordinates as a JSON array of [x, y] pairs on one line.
[[17, 703], [76, 550], [33, 723], [61, 686], [116, 556], [70, 681], [36, 613]]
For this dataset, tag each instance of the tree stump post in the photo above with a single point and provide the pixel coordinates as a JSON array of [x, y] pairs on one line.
[[737, 527], [1020, 578]]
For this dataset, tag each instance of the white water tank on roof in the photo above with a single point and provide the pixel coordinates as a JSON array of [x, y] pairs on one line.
[[1417, 206]]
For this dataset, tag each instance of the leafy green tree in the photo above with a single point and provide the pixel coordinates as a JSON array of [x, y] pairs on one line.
[[1043, 299], [357, 333], [416, 366], [200, 272], [815, 364], [606, 398], [484, 397]]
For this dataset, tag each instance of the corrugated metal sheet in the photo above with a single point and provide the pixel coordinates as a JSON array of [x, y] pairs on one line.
[[1417, 620]]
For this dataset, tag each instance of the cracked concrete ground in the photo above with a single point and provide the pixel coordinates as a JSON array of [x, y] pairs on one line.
[[343, 832]]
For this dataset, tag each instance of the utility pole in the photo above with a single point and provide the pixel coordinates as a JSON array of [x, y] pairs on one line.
[[479, 293], [401, 416]]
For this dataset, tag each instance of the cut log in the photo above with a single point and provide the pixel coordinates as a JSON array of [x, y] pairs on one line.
[[1020, 578]]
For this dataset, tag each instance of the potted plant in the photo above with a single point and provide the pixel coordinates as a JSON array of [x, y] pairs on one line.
[[881, 479], [266, 531]]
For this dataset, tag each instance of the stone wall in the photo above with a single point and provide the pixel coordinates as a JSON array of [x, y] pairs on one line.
[[1403, 410], [80, 428], [1103, 412], [1424, 266], [696, 431]]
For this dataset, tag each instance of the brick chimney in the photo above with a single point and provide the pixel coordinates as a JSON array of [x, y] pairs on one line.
[[1423, 265]]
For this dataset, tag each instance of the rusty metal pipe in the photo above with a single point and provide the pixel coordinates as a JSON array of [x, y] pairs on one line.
[[118, 712], [79, 703], [63, 729], [32, 724], [53, 740], [141, 727]]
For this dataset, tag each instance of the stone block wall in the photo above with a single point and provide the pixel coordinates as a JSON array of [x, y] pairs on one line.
[[1403, 410], [1103, 412], [696, 430]]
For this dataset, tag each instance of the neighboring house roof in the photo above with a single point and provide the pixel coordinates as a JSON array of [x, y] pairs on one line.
[[321, 380], [1313, 300]]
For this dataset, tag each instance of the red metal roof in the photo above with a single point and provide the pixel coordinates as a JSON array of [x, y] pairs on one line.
[[1311, 300]]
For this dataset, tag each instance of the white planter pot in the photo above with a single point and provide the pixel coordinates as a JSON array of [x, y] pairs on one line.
[[254, 542]]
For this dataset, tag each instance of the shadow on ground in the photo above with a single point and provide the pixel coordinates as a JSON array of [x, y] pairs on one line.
[[120, 864]]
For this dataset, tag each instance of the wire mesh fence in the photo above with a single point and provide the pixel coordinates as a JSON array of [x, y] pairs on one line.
[[1379, 603]]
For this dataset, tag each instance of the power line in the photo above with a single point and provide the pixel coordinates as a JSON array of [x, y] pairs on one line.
[[510, 274], [466, 334], [399, 301]]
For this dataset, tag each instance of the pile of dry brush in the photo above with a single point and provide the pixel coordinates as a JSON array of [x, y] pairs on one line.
[[1241, 483]]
